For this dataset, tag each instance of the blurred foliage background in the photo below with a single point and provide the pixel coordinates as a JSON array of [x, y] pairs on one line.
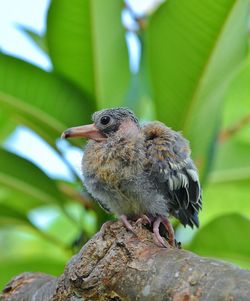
[[193, 74]]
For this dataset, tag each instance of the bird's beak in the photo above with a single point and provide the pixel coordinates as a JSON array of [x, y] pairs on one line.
[[89, 131]]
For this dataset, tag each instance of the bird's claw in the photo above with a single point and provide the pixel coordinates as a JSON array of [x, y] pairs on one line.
[[126, 223], [160, 241], [144, 220], [158, 238]]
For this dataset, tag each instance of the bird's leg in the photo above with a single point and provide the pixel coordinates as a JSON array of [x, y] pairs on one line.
[[144, 220], [159, 240], [126, 223], [169, 228]]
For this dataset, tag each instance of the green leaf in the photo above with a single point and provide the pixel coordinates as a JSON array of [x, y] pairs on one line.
[[225, 237], [193, 49], [57, 225], [41, 100], [22, 176], [18, 241], [13, 267], [9, 215], [86, 42], [232, 161], [7, 125], [227, 190], [39, 40], [237, 99], [139, 95], [225, 197], [18, 200]]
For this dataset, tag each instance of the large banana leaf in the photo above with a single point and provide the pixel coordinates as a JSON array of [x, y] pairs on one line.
[[41, 100], [20, 201], [25, 241], [193, 49], [237, 100], [86, 42], [7, 125], [227, 190], [39, 40], [22, 176], [13, 267], [9, 215], [226, 237], [139, 95], [23, 249], [225, 197], [232, 158]]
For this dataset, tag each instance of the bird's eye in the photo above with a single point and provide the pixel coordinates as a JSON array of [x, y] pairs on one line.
[[105, 120]]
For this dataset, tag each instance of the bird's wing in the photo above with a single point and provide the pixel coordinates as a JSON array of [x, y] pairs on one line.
[[170, 167]]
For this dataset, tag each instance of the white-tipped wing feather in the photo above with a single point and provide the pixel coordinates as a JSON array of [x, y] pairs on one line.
[[173, 171]]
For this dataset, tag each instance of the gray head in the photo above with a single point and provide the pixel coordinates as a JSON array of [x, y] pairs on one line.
[[108, 121]]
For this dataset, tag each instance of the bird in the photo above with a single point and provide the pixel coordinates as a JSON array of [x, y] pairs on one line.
[[139, 172]]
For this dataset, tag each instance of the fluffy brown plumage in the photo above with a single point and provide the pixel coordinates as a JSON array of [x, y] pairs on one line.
[[139, 171]]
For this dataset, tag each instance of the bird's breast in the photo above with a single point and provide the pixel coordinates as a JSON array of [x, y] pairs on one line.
[[113, 163]]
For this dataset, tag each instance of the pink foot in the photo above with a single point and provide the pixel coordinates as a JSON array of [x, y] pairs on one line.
[[157, 236], [158, 239], [126, 223], [144, 220]]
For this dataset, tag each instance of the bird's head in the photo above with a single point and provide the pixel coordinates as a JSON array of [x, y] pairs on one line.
[[106, 123]]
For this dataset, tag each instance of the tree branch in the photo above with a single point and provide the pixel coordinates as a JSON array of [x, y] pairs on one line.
[[117, 265]]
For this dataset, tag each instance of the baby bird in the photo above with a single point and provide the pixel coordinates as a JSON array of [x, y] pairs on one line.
[[139, 172]]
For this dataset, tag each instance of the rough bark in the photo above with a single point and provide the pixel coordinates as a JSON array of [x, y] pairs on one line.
[[117, 265]]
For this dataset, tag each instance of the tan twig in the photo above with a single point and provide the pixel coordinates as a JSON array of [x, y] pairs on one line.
[[76, 196], [227, 133]]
